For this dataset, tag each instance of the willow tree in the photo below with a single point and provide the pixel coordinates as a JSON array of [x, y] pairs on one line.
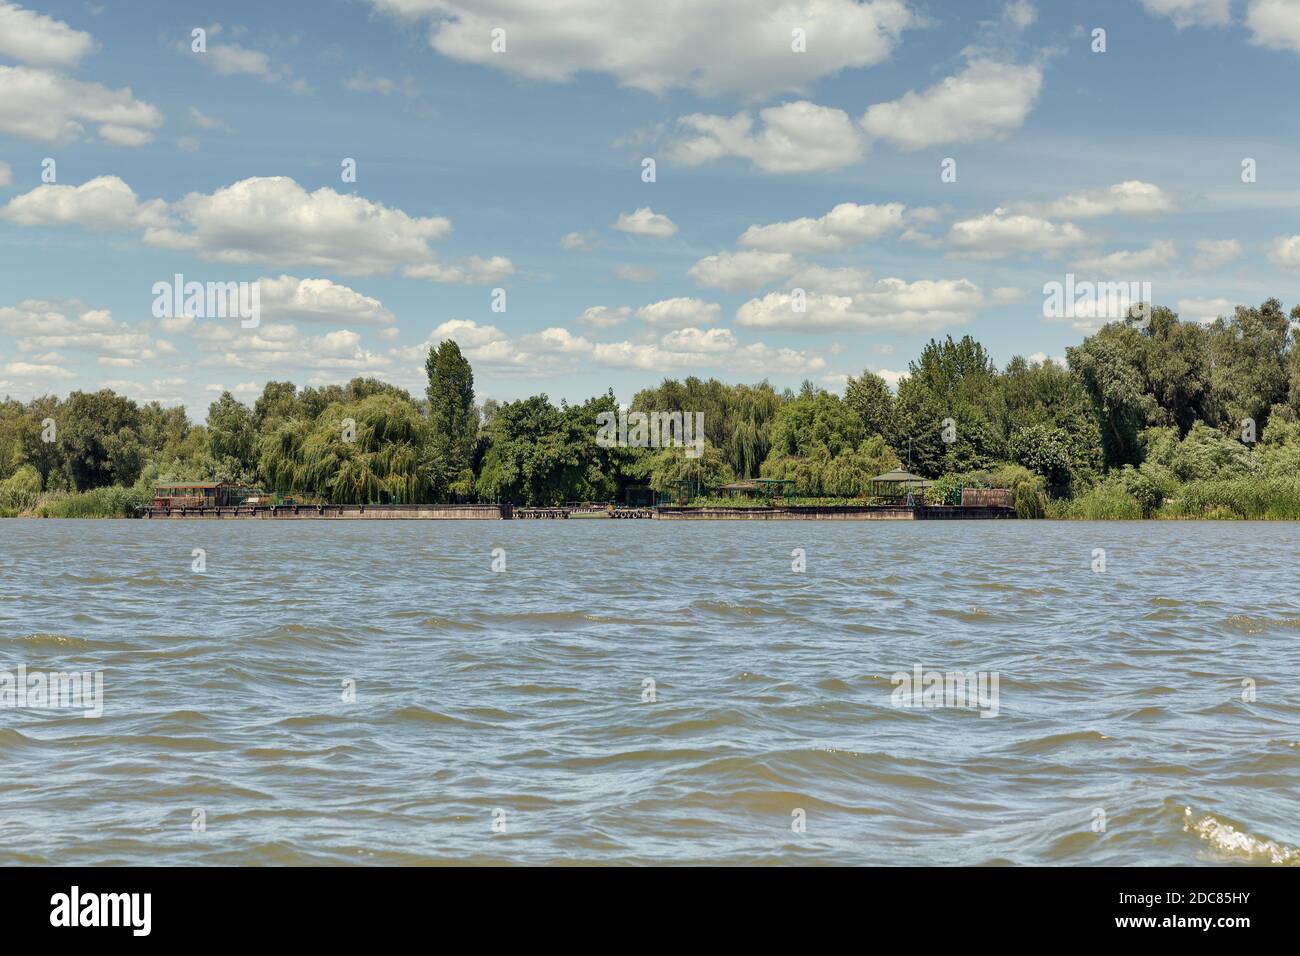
[[355, 453]]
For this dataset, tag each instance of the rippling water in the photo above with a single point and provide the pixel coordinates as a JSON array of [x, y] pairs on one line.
[[521, 691]]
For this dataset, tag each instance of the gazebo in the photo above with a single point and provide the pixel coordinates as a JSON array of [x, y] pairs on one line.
[[899, 485], [759, 487]]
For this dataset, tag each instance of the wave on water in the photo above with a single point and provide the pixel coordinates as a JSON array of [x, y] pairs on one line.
[[1227, 840]]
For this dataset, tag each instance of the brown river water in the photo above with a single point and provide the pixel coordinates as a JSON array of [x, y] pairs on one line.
[[371, 692]]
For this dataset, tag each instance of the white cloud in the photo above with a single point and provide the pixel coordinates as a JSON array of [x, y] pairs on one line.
[[1155, 256], [1192, 13], [6, 174], [1133, 198], [1021, 14], [1274, 24], [890, 304], [51, 108], [1000, 234], [797, 137], [31, 370], [646, 222], [1215, 253], [475, 270], [679, 313], [844, 280], [275, 221], [465, 332], [364, 82], [603, 317], [102, 204], [1285, 252], [846, 225], [986, 100], [231, 59], [575, 242], [275, 347], [40, 40], [40, 326], [1205, 310], [709, 48], [319, 300], [204, 121], [699, 340], [736, 271]]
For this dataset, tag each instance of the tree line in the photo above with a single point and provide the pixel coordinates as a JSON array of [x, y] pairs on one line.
[[1143, 414]]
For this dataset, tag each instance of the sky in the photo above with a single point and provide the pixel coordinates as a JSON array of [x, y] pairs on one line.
[[834, 183]]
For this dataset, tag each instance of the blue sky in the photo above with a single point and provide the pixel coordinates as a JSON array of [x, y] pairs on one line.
[[473, 166]]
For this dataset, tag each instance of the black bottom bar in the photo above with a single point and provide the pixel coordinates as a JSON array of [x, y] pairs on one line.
[[947, 908]]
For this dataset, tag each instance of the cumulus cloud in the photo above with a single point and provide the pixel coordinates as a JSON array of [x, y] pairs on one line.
[[103, 204], [603, 317], [736, 271], [35, 370], [575, 242], [846, 225], [843, 280], [1205, 310], [556, 349], [1215, 253], [40, 40], [49, 107], [680, 312], [1274, 24], [319, 300], [1155, 256], [986, 100], [797, 137], [890, 304], [268, 220], [708, 48], [277, 346], [274, 220], [1285, 252], [475, 270], [646, 222], [1001, 233], [41, 326], [1133, 198]]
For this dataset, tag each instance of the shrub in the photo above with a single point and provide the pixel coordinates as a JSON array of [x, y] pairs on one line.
[[109, 502]]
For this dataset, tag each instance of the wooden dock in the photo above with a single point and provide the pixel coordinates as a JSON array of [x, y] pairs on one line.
[[834, 513], [506, 512], [488, 512]]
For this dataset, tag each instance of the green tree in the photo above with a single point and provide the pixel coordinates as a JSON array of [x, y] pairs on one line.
[[453, 420]]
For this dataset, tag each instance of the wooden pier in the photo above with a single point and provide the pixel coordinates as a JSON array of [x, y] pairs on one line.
[[488, 512], [506, 512]]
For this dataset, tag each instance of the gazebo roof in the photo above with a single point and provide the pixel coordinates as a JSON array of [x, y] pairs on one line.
[[900, 477], [738, 486]]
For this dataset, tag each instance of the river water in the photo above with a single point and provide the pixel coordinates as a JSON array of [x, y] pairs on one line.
[[375, 692]]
